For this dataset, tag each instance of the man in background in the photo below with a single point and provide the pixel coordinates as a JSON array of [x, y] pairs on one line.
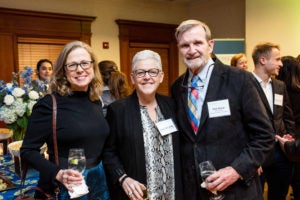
[[277, 169]]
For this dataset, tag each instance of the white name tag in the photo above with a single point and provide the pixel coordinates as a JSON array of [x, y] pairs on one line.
[[278, 100], [218, 108], [166, 127]]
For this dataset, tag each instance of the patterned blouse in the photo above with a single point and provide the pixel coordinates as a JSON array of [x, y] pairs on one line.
[[158, 158]]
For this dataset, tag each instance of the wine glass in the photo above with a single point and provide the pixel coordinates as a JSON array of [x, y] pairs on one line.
[[206, 169], [76, 160]]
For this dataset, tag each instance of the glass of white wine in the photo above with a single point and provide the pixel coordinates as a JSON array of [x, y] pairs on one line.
[[76, 160], [206, 169]]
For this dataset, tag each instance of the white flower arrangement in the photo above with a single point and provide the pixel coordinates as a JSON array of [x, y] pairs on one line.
[[16, 102]]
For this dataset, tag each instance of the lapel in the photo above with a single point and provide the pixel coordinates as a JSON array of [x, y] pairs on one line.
[[263, 96], [135, 129], [215, 82], [277, 89], [183, 95]]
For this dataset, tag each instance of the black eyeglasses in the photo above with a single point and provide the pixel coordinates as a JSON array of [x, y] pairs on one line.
[[151, 72], [83, 64]]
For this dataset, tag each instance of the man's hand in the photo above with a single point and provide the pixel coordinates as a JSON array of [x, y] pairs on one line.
[[221, 179]]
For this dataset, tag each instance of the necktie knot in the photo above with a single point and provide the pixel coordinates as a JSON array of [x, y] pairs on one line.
[[194, 81]]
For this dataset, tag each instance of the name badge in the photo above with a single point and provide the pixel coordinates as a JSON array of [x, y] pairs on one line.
[[166, 127], [278, 100], [218, 108]]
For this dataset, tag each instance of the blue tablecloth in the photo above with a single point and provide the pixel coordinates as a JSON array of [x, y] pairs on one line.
[[7, 169]]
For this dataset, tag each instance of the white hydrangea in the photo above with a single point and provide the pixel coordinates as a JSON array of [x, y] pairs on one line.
[[19, 107], [9, 85], [7, 115], [18, 92], [30, 105], [8, 99], [33, 95]]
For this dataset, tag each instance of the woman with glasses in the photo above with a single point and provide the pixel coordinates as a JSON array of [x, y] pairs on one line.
[[141, 155], [76, 83]]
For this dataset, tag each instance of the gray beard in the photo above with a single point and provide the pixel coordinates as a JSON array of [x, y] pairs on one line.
[[193, 66]]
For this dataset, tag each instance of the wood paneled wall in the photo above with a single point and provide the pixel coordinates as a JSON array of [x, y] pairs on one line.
[[22, 23]]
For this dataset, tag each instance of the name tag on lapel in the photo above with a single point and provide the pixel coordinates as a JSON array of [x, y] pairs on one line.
[[218, 108], [278, 99], [166, 127]]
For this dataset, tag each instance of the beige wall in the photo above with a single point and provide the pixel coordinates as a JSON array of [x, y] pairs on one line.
[[225, 18], [274, 21]]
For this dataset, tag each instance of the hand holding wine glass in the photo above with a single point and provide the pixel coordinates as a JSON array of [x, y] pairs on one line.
[[77, 161], [206, 169]]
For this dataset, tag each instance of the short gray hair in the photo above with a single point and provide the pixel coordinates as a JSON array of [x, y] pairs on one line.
[[146, 54], [188, 24]]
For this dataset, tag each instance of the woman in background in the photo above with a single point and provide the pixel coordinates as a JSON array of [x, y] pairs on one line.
[[77, 85], [289, 73], [44, 70], [115, 83], [239, 61]]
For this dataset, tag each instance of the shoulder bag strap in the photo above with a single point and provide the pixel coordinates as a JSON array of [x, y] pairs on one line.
[[54, 129]]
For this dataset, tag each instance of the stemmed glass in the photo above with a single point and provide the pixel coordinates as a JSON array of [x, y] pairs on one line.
[[206, 169], [76, 160]]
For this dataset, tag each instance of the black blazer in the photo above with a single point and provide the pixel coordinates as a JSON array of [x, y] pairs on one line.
[[241, 140], [124, 149], [293, 148], [282, 117]]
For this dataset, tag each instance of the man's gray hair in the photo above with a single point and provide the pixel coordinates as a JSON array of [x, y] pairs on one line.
[[188, 24]]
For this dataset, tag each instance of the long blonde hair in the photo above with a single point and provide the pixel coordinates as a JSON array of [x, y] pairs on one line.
[[59, 82]]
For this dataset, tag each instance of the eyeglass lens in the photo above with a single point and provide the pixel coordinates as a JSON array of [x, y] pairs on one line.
[[151, 72], [82, 64]]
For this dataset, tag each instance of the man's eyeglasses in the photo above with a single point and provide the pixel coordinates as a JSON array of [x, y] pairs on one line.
[[151, 72], [83, 64]]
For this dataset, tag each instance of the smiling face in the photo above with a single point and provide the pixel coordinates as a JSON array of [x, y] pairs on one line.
[[147, 84], [194, 48], [272, 62], [242, 63], [80, 78], [45, 71]]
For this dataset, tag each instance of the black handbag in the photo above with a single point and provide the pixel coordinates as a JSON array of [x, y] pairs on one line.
[[24, 166]]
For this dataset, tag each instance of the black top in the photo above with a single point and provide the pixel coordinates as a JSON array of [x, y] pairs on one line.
[[124, 149], [80, 124]]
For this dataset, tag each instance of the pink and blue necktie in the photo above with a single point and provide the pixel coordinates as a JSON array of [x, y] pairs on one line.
[[192, 104]]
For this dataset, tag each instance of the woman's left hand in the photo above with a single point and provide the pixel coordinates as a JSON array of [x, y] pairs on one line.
[[133, 189], [69, 177]]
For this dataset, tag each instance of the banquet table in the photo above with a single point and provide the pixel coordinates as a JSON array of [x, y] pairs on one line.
[[7, 169]]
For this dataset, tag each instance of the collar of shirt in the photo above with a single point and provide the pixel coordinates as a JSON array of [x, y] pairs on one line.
[[262, 84]]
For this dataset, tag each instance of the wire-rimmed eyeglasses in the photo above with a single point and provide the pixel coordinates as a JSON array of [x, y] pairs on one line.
[[83, 64], [151, 72]]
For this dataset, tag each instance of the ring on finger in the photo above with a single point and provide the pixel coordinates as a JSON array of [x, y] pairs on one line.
[[129, 193]]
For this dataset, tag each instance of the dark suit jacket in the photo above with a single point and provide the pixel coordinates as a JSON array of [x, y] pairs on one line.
[[241, 140], [282, 117], [124, 149]]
